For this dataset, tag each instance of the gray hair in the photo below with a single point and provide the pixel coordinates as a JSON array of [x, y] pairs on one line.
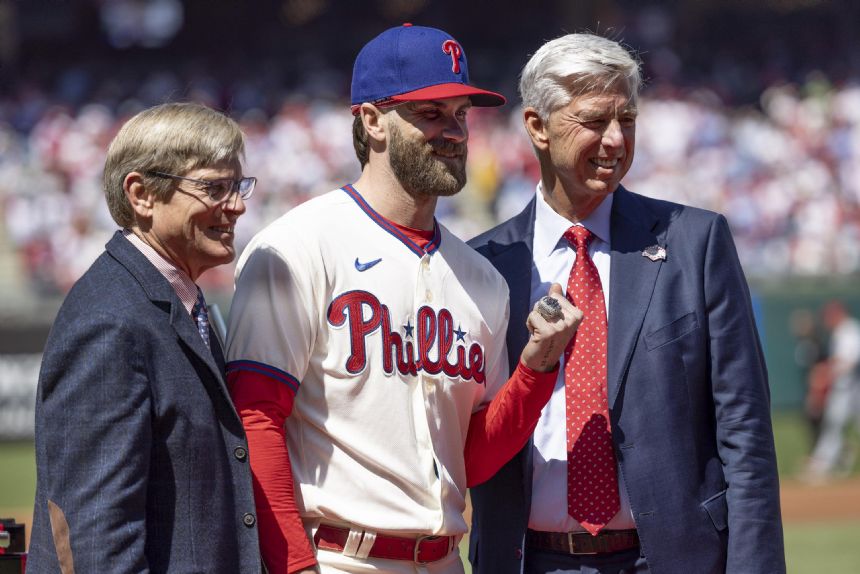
[[576, 64], [171, 138]]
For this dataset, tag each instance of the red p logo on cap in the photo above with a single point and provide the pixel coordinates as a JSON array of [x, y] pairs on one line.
[[453, 48]]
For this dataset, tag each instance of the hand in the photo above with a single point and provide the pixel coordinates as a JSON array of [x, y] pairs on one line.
[[549, 339]]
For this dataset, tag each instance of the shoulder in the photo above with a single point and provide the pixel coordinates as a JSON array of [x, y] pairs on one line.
[[121, 288], [303, 225], [461, 256], [106, 287], [508, 231], [670, 212], [309, 216]]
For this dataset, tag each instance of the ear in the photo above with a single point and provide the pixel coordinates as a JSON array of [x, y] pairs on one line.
[[536, 128], [374, 124], [139, 197]]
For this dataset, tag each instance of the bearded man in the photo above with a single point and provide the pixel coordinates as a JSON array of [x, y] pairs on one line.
[[366, 345]]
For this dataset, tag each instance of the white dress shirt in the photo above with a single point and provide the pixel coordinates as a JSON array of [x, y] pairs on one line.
[[553, 260]]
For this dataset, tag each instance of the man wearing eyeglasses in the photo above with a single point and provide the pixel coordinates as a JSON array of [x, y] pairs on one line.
[[142, 461]]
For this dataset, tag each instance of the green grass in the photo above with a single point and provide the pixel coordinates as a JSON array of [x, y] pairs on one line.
[[794, 443], [18, 477], [816, 548]]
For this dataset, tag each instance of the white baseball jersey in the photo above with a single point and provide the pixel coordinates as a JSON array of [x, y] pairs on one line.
[[393, 347]]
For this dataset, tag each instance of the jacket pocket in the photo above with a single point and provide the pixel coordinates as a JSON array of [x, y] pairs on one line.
[[674, 330], [718, 510]]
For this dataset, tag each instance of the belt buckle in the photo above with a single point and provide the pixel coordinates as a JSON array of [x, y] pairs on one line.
[[421, 539], [571, 546]]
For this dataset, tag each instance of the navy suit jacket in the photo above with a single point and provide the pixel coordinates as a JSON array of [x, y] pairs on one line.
[[142, 461], [688, 397]]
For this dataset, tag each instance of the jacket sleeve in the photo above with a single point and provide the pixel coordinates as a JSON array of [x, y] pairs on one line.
[[94, 438], [742, 411]]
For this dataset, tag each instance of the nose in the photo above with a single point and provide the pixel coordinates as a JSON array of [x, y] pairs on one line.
[[455, 130], [234, 204], [613, 135]]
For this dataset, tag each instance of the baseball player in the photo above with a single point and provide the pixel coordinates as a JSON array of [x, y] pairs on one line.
[[374, 339]]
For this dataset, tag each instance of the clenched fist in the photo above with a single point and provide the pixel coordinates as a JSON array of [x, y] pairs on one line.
[[550, 337]]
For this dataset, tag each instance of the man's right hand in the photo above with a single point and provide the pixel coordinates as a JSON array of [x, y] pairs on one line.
[[549, 339]]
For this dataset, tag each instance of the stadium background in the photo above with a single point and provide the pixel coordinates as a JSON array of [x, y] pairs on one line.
[[750, 109]]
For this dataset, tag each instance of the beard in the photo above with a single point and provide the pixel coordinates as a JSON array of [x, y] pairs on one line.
[[421, 173]]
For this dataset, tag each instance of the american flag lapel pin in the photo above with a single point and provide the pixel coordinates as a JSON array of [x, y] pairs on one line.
[[655, 252]]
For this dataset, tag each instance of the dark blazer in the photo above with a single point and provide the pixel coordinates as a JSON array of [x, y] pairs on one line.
[[688, 397], [142, 460]]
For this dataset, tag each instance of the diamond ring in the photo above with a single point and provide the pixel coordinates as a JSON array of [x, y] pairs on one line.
[[550, 309]]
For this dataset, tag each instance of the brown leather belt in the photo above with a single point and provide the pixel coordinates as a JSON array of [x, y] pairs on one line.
[[583, 542], [423, 550]]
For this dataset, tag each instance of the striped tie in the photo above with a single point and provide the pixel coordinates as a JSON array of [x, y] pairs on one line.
[[201, 316]]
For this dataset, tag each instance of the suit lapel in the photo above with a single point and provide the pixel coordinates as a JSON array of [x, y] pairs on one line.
[[632, 279], [164, 297]]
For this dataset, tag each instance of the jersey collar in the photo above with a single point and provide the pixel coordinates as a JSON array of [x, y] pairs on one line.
[[385, 224]]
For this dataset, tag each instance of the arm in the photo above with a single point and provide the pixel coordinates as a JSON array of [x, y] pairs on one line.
[[264, 403], [268, 346], [94, 439], [499, 431], [742, 412]]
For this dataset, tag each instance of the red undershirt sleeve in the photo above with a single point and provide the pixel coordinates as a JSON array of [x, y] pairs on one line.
[[499, 431], [264, 404]]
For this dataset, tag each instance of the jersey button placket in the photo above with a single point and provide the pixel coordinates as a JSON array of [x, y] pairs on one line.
[[424, 391]]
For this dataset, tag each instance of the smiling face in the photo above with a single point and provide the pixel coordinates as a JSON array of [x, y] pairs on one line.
[[190, 229], [590, 143], [427, 146]]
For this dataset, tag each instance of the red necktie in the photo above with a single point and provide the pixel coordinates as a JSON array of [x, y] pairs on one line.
[[592, 483]]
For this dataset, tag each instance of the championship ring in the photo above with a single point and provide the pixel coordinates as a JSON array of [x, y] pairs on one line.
[[550, 309]]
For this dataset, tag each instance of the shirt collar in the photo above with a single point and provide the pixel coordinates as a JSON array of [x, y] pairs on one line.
[[550, 226]]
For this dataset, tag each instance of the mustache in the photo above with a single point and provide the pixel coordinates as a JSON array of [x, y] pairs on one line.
[[447, 147]]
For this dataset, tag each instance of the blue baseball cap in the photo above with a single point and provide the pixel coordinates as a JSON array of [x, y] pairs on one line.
[[410, 63]]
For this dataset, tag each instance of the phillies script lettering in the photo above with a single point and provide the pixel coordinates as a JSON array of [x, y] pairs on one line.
[[433, 329]]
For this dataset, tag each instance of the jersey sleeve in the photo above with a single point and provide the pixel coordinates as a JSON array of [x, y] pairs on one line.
[[269, 343], [497, 432], [508, 412], [272, 316]]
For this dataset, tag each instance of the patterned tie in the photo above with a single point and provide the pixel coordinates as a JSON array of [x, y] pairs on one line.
[[592, 484], [201, 316]]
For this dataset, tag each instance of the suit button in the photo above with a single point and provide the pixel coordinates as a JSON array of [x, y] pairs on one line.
[[249, 519], [240, 453], [518, 554]]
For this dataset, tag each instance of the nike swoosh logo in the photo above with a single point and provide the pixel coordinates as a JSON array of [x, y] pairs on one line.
[[365, 266]]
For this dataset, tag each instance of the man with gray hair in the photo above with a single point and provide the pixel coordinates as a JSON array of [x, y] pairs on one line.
[[655, 452]]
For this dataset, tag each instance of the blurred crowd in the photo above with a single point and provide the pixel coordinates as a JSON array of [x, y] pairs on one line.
[[786, 172]]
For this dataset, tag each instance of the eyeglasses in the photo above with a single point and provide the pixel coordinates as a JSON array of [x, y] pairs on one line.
[[218, 190]]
